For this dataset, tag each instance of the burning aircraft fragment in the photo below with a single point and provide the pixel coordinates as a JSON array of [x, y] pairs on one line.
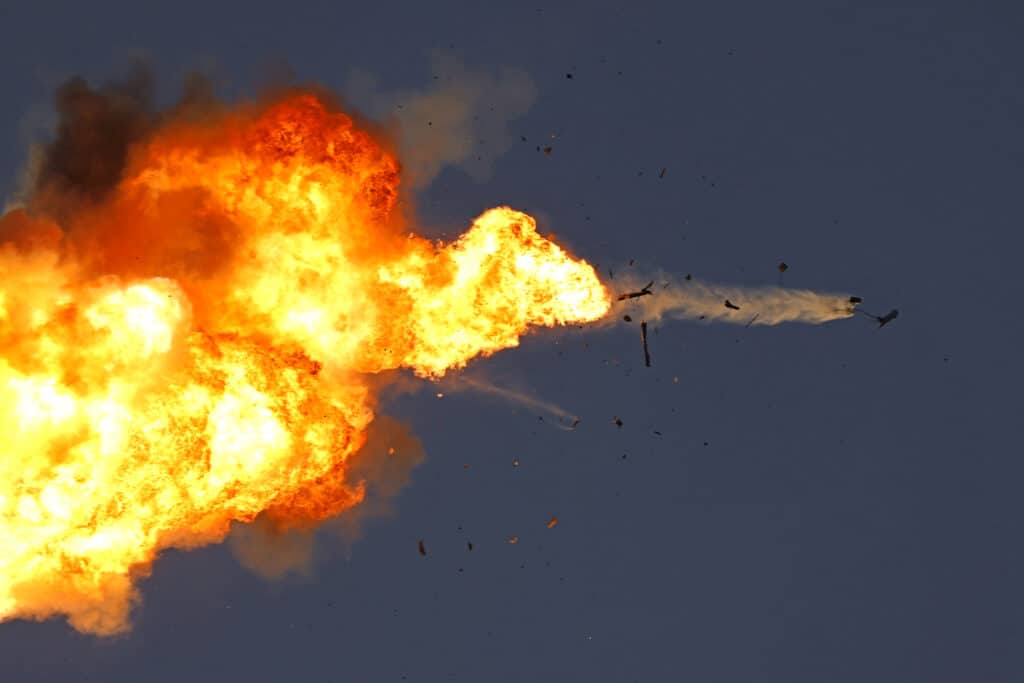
[[643, 291]]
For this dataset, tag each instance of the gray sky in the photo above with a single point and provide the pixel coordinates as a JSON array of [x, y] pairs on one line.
[[829, 503]]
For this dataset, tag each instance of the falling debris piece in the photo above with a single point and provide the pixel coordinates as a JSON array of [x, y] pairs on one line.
[[552, 522], [884, 320], [688, 277], [618, 422], [568, 75], [855, 300], [391, 450], [440, 395], [627, 318], [753, 319], [423, 549], [513, 540], [643, 340], [657, 432], [662, 174], [729, 304], [547, 150], [645, 291], [469, 546], [515, 462], [783, 267], [575, 423], [676, 380]]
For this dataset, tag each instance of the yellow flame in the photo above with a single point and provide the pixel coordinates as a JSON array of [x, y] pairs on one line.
[[194, 350]]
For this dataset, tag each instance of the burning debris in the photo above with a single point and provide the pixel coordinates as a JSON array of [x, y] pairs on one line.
[[644, 291]]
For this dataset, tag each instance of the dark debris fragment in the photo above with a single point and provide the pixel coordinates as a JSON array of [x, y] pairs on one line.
[[643, 340], [645, 291]]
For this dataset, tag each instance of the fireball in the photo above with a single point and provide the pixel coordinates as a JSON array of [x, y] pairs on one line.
[[195, 346]]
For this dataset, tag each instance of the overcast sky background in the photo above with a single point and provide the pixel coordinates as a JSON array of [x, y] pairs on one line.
[[832, 503]]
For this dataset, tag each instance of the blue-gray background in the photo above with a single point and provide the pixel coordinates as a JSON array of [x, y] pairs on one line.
[[854, 513]]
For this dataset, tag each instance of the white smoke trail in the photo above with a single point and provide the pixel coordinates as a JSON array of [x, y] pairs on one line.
[[694, 300], [566, 420]]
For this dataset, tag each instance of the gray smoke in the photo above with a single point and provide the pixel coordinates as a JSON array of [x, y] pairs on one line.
[[460, 119]]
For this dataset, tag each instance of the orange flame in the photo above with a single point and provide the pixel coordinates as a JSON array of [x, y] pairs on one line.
[[194, 349]]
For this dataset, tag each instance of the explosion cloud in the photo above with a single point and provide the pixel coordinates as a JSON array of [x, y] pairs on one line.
[[198, 307], [192, 305]]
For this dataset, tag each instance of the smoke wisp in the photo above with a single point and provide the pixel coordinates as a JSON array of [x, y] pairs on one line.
[[696, 300]]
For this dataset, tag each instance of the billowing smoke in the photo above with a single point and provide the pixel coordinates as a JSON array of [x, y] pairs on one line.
[[461, 119], [96, 128]]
